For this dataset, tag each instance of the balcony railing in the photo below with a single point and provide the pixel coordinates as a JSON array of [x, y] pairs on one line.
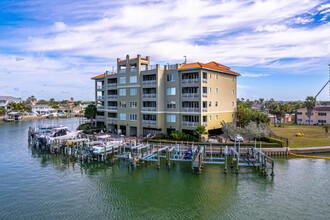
[[190, 80], [112, 119], [189, 95], [100, 107], [122, 71], [149, 109], [100, 87], [149, 122], [172, 67], [134, 69], [99, 117], [152, 67], [112, 96], [190, 109], [149, 82], [100, 97], [112, 84], [204, 109], [112, 108], [204, 80], [204, 95], [153, 95], [190, 123]]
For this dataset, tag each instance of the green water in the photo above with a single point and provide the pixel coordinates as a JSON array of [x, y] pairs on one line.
[[36, 185]]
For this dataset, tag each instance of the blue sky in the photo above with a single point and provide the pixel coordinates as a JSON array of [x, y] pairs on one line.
[[53, 48]]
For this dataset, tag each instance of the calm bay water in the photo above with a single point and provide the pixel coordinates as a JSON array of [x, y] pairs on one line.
[[37, 185]]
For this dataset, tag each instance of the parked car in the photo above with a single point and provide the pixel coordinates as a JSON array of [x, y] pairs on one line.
[[238, 138]]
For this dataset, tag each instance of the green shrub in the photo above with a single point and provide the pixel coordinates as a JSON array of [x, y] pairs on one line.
[[273, 140]]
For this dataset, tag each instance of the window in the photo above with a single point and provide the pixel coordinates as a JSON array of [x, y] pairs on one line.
[[216, 90], [209, 75], [122, 116], [232, 92], [170, 91], [216, 76], [210, 104], [210, 118], [132, 117], [232, 115], [216, 117], [171, 77], [122, 104], [322, 114], [122, 80], [133, 92], [133, 79], [170, 104], [216, 104], [170, 118], [122, 92], [322, 121], [209, 90], [307, 120], [133, 104], [299, 119], [204, 118], [233, 78], [232, 104], [299, 113]]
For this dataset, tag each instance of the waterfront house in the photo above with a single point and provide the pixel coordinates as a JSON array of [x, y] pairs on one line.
[[42, 109], [141, 99], [5, 100], [320, 116]]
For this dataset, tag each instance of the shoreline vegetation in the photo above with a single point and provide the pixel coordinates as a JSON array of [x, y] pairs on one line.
[[27, 118]]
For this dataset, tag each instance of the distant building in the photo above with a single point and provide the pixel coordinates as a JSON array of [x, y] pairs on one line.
[[142, 99], [42, 109], [5, 100], [289, 118], [320, 116]]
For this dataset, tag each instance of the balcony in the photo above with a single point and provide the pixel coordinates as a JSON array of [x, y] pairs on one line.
[[184, 81], [112, 84], [204, 124], [149, 82], [112, 96], [122, 71], [100, 87], [100, 107], [112, 119], [151, 95], [189, 95], [204, 109], [112, 108], [134, 69], [190, 123], [149, 122], [100, 97], [204, 80], [99, 117], [149, 109], [190, 109], [204, 95]]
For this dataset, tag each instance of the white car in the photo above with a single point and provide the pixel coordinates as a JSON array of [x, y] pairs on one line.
[[239, 138]]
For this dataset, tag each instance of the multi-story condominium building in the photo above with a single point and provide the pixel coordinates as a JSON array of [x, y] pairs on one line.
[[142, 99], [320, 116]]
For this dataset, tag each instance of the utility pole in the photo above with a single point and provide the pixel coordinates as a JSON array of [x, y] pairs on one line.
[[185, 59]]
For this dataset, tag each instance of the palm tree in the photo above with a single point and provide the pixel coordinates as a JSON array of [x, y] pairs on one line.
[[31, 99], [310, 104], [52, 100], [200, 130], [71, 99], [286, 109], [2, 111], [274, 110], [90, 112]]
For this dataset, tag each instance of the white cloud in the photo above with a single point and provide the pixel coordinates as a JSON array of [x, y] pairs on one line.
[[323, 6], [300, 20], [325, 11], [254, 75], [272, 28]]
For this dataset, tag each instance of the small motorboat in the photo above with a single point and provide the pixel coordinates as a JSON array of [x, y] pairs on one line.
[[188, 154]]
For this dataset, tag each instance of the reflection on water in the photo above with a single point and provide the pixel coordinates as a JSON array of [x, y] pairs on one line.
[[37, 185]]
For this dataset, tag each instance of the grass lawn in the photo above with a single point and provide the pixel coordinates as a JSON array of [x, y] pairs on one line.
[[314, 136]]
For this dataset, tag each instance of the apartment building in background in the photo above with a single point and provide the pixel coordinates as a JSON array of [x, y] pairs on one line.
[[141, 99], [320, 116]]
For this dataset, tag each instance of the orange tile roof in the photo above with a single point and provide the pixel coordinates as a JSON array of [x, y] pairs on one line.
[[99, 76], [212, 65], [134, 59]]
